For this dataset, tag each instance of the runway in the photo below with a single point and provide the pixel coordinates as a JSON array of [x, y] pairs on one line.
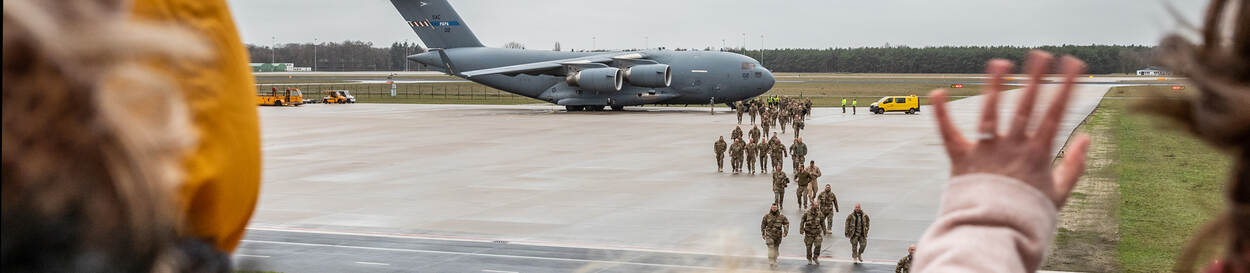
[[614, 191]]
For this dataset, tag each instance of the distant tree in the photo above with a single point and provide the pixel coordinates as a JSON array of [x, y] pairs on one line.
[[556, 47], [514, 44]]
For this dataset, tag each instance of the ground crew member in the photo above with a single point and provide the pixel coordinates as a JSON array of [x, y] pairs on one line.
[[799, 124], [780, 181], [813, 231], [798, 152], [801, 178], [754, 133], [904, 264], [778, 151], [720, 154], [828, 204], [735, 154], [737, 133], [857, 231], [844, 105], [854, 104], [738, 110], [753, 150], [774, 227]]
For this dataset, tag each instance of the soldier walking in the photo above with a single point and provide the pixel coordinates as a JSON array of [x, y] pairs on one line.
[[799, 124], [735, 154], [764, 117], [736, 133], [774, 227], [738, 110], [829, 205], [778, 151], [720, 154], [815, 174], [857, 231], [904, 264], [754, 133], [813, 232], [780, 181], [798, 152], [801, 178], [753, 151], [764, 150], [754, 109], [807, 108]]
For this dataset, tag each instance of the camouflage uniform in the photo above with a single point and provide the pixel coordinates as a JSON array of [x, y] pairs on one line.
[[753, 151], [764, 150], [738, 110], [780, 180], [783, 118], [857, 231], [735, 155], [828, 205], [736, 134], [799, 124], [801, 179], [904, 265], [754, 133], [764, 122], [798, 153], [773, 227], [807, 108], [755, 110], [813, 233], [778, 152], [720, 154]]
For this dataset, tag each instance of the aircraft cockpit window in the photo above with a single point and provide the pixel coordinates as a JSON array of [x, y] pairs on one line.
[[746, 66]]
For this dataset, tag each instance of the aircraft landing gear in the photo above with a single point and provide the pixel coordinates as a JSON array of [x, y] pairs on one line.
[[594, 108], [572, 108], [618, 107]]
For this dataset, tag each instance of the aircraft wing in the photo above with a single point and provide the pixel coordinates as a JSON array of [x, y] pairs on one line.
[[554, 67]]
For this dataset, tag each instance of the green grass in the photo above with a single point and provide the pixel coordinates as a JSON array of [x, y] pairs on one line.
[[1170, 184]]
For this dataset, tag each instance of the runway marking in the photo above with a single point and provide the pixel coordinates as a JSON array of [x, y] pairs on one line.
[[498, 271], [546, 244], [369, 263], [489, 255], [253, 256]]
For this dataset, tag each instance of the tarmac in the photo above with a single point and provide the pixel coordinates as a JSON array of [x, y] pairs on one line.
[[532, 188]]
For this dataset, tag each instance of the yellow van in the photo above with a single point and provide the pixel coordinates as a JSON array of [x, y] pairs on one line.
[[907, 104]]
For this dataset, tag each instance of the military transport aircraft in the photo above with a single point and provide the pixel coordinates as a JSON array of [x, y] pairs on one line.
[[582, 80]]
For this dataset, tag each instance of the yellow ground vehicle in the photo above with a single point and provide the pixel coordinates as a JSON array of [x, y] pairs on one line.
[[338, 96], [290, 97], [908, 104]]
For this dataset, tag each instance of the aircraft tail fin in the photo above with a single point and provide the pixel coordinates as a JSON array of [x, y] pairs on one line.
[[438, 25]]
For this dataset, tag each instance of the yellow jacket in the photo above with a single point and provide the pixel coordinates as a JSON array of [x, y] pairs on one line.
[[222, 173]]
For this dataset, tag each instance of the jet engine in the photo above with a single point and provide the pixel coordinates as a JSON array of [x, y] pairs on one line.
[[649, 75], [604, 79]]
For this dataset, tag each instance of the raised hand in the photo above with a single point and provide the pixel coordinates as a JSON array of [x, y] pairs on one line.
[[1018, 153]]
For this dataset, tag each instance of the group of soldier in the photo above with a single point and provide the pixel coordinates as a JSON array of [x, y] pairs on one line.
[[818, 207]]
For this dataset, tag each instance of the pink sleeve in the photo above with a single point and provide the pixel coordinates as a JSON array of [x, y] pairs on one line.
[[988, 223]]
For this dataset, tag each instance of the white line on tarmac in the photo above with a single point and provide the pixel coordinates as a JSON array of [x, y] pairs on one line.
[[546, 244], [498, 271], [369, 263], [253, 256], [487, 255]]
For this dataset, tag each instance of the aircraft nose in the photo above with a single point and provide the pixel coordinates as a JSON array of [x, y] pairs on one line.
[[768, 80]]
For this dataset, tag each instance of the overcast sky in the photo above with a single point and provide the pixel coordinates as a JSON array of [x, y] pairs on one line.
[[702, 23]]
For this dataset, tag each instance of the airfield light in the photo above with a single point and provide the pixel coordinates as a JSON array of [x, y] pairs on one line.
[[1178, 87], [957, 85]]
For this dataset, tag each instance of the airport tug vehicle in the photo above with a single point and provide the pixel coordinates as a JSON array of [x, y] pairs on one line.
[[289, 97], [338, 96], [906, 104]]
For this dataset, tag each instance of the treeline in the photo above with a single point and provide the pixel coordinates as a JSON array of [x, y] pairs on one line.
[[339, 56], [1102, 59]]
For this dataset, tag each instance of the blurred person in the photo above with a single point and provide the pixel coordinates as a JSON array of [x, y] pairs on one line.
[[736, 133], [1218, 114], [904, 264], [719, 147], [104, 168]]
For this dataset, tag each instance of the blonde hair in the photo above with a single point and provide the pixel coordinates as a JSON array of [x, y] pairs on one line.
[[1219, 114]]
